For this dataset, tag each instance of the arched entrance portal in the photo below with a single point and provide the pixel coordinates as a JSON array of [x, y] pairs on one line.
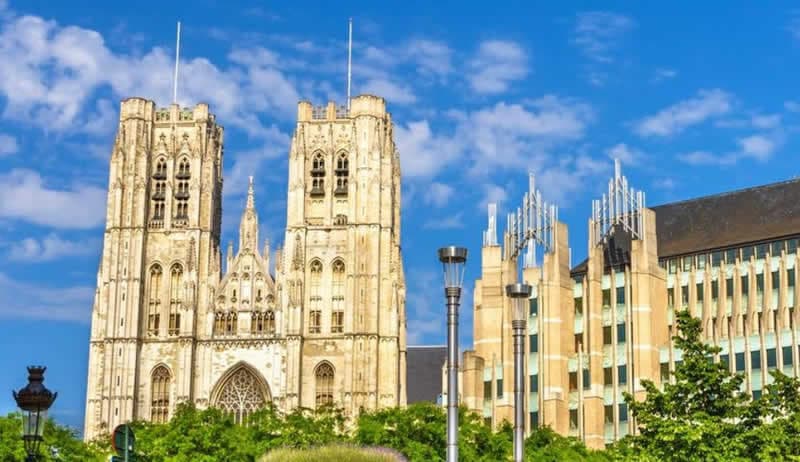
[[240, 392]]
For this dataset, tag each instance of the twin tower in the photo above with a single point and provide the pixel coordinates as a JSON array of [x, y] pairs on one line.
[[319, 322]]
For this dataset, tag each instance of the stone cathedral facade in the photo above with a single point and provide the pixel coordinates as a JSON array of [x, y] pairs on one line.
[[321, 321]]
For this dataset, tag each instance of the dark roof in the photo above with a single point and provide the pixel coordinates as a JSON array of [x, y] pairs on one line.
[[724, 220], [424, 372]]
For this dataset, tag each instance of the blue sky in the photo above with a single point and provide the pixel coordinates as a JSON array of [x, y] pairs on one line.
[[693, 98]]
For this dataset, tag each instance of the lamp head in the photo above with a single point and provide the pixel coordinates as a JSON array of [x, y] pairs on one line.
[[519, 293], [453, 260]]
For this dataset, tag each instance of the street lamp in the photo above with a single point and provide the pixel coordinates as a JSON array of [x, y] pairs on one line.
[[453, 261], [34, 400], [519, 293]]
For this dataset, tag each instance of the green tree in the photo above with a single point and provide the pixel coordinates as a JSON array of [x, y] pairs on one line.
[[545, 445], [60, 443]]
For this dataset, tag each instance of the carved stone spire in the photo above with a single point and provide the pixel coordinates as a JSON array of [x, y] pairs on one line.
[[248, 229], [266, 252], [229, 264]]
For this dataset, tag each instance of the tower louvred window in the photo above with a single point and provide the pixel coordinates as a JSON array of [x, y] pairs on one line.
[[318, 175], [342, 173], [158, 191]]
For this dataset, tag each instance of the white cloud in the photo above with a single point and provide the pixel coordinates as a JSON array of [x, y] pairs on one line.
[[496, 65], [662, 74], [492, 194], [794, 24], [626, 154], [792, 106], [664, 183], [8, 145], [26, 197], [597, 33], [679, 116], [422, 153], [763, 121], [394, 92], [759, 147], [450, 222], [438, 194], [707, 158], [431, 57], [51, 247], [24, 300]]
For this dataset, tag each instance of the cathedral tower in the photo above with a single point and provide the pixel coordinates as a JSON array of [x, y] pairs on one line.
[[342, 282], [160, 253]]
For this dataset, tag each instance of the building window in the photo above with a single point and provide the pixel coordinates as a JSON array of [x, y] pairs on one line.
[[790, 277], [673, 266], [671, 297], [154, 311], [315, 322], [337, 319], [324, 385], [263, 322], [342, 172], [714, 290], [730, 256], [608, 376], [761, 250], [687, 263], [318, 175], [578, 306], [776, 248], [772, 358], [699, 292], [534, 385], [578, 341], [747, 252], [534, 306], [664, 372], [745, 285], [701, 261], [623, 412], [534, 419], [159, 397], [620, 296], [608, 414], [729, 288], [487, 390], [182, 190], [241, 395], [684, 296], [755, 360], [622, 374], [739, 362], [573, 419], [158, 194], [499, 388], [534, 343], [787, 355], [607, 335], [791, 246], [573, 381], [725, 359], [175, 299], [621, 333], [587, 383], [606, 298], [716, 258]]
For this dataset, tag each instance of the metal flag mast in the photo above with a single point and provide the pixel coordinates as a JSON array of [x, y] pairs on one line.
[[349, 59], [177, 60]]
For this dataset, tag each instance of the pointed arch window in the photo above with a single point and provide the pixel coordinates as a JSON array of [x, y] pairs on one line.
[[324, 384], [315, 297], [182, 177], [242, 395], [159, 395], [175, 299], [158, 192], [342, 173], [318, 175], [337, 315], [263, 322], [154, 304]]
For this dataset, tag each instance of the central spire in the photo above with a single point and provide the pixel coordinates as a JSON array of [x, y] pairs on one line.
[[248, 229]]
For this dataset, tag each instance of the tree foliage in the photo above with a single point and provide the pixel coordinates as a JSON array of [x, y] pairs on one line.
[[60, 443], [704, 414]]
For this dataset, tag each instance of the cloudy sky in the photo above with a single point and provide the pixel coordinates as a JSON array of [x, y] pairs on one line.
[[693, 99]]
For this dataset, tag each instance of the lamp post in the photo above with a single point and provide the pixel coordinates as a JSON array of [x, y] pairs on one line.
[[453, 261], [34, 400], [519, 293]]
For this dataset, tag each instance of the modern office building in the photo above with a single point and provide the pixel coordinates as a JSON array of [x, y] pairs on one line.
[[597, 329]]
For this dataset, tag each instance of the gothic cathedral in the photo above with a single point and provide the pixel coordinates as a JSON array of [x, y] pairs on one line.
[[322, 321]]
